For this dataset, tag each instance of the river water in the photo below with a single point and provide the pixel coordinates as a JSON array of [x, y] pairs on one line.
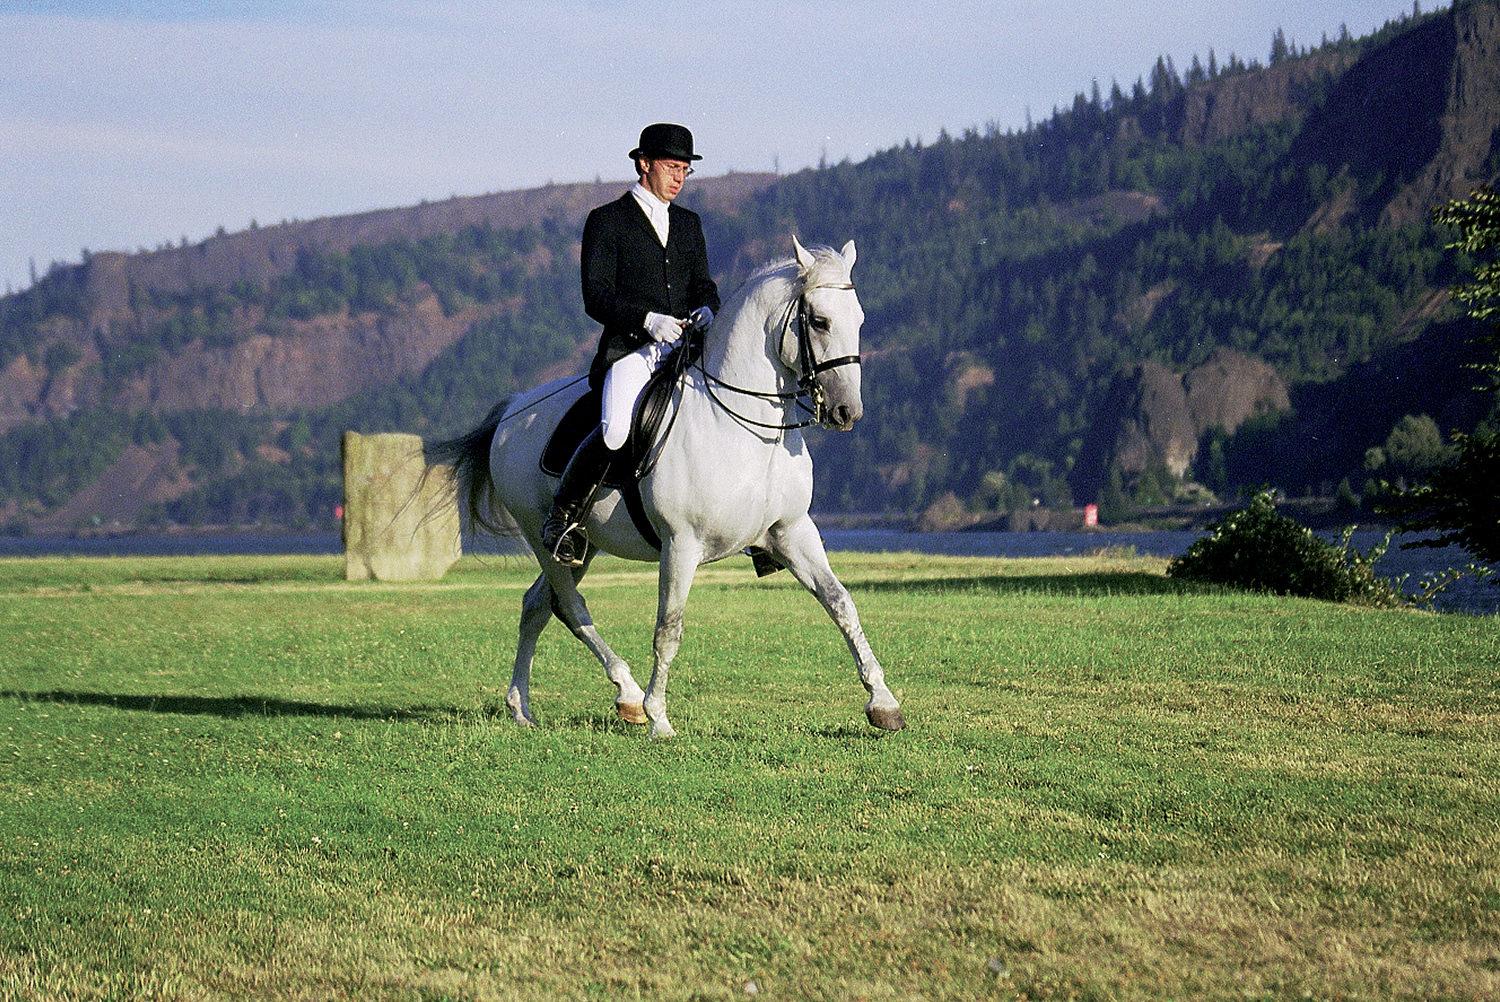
[[1466, 596]]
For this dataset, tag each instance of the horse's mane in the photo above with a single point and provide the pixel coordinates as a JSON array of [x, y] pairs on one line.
[[825, 259], [827, 269]]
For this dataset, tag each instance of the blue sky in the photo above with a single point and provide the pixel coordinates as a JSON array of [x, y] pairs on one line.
[[126, 125]]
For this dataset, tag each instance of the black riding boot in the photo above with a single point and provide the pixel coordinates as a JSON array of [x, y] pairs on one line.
[[563, 531]]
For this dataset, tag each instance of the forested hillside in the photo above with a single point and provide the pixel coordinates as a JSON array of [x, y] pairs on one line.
[[1215, 279]]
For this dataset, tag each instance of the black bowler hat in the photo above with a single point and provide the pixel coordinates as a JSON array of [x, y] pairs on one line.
[[664, 141]]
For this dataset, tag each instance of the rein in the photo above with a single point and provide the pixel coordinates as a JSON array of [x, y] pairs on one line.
[[810, 368]]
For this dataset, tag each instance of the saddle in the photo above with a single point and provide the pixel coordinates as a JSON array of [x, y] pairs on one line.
[[636, 458], [626, 469], [583, 417]]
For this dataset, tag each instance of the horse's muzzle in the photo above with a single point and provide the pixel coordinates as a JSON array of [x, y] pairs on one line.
[[839, 403], [840, 417]]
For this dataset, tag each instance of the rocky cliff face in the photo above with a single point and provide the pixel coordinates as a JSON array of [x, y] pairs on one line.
[[1468, 141], [1415, 122], [1233, 104], [1155, 415], [303, 365], [318, 363], [309, 364]]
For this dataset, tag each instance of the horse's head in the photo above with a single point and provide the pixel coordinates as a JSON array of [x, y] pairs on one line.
[[822, 344]]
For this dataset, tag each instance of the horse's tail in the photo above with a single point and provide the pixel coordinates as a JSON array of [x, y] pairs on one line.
[[468, 460]]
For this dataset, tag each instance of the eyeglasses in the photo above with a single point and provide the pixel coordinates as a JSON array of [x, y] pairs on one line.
[[675, 169]]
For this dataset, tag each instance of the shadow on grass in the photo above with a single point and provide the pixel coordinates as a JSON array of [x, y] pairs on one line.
[[1103, 584], [851, 732], [598, 723], [233, 707], [236, 707]]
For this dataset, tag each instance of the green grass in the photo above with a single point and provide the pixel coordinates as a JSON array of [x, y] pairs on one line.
[[248, 778]]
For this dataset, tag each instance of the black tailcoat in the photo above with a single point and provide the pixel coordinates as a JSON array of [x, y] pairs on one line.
[[627, 273]]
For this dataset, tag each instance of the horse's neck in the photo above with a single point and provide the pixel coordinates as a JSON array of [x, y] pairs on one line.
[[747, 356]]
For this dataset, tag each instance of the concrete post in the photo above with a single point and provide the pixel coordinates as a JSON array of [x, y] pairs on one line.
[[398, 526]]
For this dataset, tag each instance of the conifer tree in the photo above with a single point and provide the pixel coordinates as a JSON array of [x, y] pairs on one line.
[[1460, 502]]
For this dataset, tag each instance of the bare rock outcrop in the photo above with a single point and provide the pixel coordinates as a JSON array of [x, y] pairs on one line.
[[1414, 122], [1154, 415]]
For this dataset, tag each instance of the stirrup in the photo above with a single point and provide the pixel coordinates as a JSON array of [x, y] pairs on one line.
[[569, 546], [566, 550]]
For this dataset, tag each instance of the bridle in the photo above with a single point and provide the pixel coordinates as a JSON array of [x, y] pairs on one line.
[[808, 362], [809, 368]]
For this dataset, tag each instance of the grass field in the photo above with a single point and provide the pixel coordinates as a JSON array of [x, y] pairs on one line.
[[246, 778]]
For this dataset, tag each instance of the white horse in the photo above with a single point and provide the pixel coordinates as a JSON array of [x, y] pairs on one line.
[[732, 472]]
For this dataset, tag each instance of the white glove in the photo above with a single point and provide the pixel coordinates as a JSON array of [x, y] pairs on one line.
[[701, 317], [662, 327]]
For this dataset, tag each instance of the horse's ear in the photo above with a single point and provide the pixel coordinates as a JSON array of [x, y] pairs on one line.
[[848, 253], [804, 258]]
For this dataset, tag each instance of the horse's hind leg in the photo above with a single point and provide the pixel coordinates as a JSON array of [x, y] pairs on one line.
[[536, 611], [568, 605], [800, 547]]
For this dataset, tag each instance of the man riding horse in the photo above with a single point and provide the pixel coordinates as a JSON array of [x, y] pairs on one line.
[[645, 277]]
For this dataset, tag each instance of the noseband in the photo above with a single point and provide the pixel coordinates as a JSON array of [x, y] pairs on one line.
[[809, 368]]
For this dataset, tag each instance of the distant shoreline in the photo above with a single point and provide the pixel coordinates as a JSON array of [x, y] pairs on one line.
[[1319, 514]]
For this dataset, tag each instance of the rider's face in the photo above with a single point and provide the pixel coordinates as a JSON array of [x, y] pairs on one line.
[[663, 178]]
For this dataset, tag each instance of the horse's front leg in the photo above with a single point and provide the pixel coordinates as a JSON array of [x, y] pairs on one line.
[[679, 561], [800, 547], [560, 587]]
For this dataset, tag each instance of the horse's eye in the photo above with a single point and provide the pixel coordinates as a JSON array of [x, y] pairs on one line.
[[820, 323]]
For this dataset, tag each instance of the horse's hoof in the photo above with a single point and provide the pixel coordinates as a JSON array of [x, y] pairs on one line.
[[661, 730], [886, 720], [632, 713], [519, 712]]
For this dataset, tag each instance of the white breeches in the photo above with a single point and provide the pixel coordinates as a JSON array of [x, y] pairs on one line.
[[623, 385]]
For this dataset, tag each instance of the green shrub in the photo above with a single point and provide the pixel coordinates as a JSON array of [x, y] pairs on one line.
[[1259, 550]]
